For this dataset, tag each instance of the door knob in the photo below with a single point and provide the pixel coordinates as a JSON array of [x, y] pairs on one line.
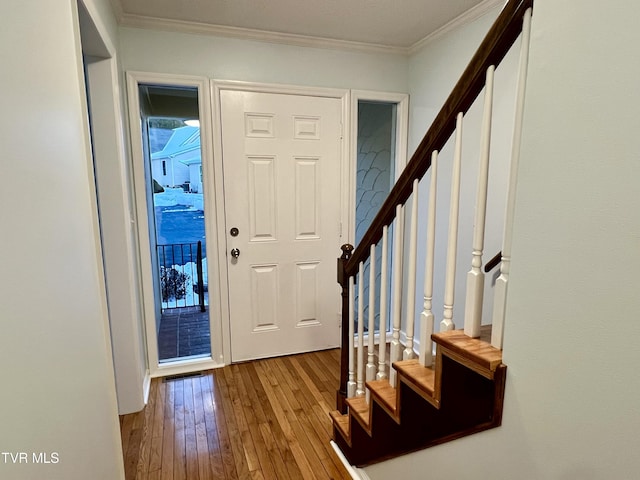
[[235, 253]]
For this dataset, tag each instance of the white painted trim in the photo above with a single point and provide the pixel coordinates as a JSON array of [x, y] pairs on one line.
[[95, 216], [97, 21], [376, 337], [416, 342], [118, 11], [401, 100], [461, 20], [286, 89], [200, 28], [185, 366], [403, 339], [111, 163], [355, 472], [146, 387], [221, 234], [148, 300], [216, 298], [345, 186]]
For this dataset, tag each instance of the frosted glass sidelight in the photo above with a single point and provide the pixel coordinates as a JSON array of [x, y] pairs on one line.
[[375, 173]]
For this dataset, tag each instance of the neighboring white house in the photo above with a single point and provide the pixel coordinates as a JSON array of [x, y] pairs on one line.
[[179, 161]]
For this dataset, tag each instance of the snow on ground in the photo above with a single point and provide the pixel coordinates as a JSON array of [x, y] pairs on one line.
[[177, 196], [191, 297], [194, 202]]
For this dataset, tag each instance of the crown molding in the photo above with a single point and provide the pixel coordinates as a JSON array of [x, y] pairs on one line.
[[467, 17], [118, 11], [199, 28]]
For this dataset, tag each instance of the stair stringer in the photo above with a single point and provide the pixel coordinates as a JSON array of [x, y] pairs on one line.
[[462, 395]]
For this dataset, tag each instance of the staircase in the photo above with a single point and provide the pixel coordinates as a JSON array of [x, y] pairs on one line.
[[461, 395], [426, 399]]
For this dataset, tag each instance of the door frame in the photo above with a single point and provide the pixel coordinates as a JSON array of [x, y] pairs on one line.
[[144, 235], [401, 101], [215, 226], [345, 178]]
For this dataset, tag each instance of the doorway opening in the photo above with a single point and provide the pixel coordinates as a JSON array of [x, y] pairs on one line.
[[170, 130]]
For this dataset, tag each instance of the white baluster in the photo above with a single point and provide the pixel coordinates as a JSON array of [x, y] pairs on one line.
[[411, 282], [351, 383], [475, 277], [398, 250], [427, 317], [452, 247], [382, 345], [360, 366], [371, 348], [497, 329]]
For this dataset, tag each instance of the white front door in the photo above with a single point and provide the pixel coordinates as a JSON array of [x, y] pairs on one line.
[[281, 161]]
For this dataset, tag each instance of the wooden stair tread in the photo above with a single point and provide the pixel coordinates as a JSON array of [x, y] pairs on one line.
[[472, 356], [473, 349], [359, 409], [341, 422], [385, 395], [415, 375]]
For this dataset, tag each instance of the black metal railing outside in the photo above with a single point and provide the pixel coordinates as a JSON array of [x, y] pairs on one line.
[[182, 280]]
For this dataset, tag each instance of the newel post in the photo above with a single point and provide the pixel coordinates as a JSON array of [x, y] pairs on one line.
[[343, 280]]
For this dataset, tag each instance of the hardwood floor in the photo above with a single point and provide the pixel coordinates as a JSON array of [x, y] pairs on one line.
[[267, 419]]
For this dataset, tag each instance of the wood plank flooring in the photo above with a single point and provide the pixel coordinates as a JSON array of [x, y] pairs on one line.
[[266, 419]]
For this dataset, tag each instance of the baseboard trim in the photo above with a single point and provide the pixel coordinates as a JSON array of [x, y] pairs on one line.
[[416, 342], [355, 472]]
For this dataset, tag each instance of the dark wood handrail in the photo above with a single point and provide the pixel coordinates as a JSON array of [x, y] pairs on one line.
[[492, 50], [493, 263]]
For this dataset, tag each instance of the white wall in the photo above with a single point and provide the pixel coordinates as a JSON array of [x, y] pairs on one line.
[[572, 395], [433, 72], [235, 59], [58, 390]]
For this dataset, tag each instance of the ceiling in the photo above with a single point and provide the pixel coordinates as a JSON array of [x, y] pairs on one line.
[[382, 24]]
